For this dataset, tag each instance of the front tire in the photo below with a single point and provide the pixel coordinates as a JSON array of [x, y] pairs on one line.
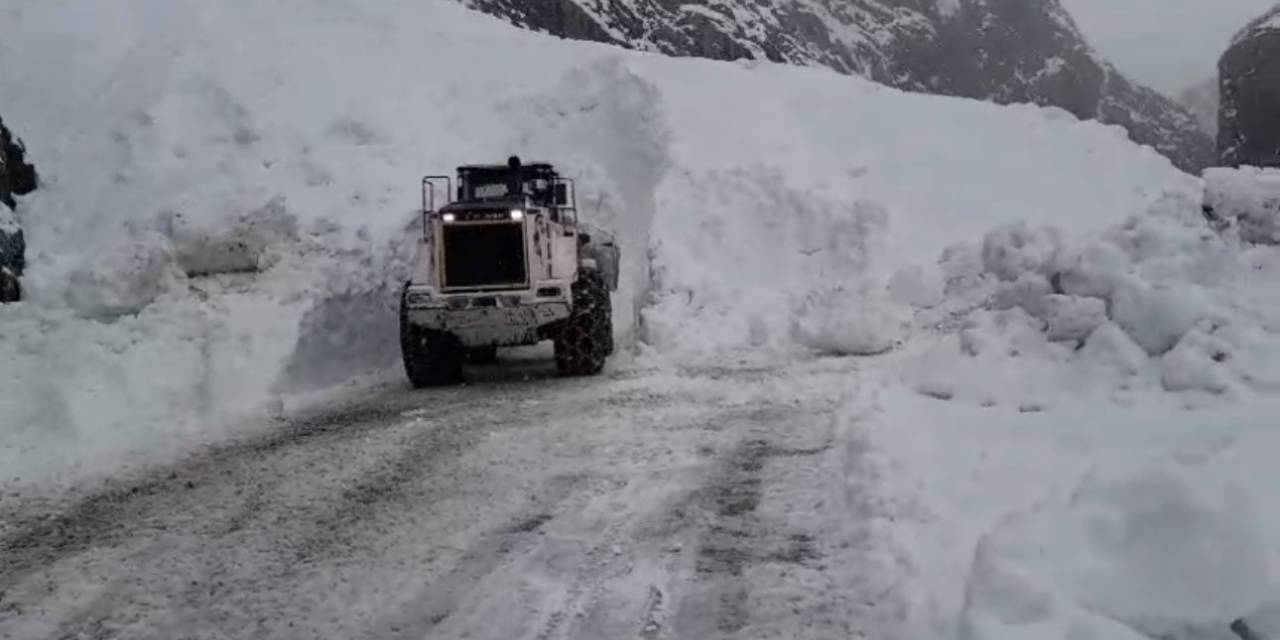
[[586, 338], [431, 358]]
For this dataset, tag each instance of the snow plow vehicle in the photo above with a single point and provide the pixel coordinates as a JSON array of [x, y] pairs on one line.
[[506, 263]]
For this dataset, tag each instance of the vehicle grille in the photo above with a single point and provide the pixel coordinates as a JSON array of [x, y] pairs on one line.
[[481, 256]]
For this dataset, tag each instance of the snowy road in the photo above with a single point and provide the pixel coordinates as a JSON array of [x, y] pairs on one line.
[[718, 503]]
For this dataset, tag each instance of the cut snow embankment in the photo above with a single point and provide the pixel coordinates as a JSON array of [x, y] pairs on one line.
[[805, 211], [1081, 435]]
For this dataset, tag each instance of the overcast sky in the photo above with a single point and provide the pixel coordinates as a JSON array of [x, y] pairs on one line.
[[1166, 44]]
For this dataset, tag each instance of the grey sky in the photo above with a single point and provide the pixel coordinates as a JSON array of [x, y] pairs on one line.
[[1166, 44]]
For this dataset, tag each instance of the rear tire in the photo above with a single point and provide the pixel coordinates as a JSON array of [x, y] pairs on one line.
[[431, 358], [586, 338]]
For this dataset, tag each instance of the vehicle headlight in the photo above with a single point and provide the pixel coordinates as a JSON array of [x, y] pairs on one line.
[[448, 217], [517, 214]]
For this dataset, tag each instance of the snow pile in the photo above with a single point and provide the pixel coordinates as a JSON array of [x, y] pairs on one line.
[[821, 229], [1160, 301], [1247, 200]]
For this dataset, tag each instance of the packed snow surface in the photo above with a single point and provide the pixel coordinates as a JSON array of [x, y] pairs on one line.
[[1071, 360]]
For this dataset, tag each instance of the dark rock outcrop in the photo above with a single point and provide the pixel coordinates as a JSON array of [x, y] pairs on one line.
[[1249, 83], [17, 177], [999, 50]]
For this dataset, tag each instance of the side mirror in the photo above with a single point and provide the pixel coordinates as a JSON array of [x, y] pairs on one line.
[[562, 195]]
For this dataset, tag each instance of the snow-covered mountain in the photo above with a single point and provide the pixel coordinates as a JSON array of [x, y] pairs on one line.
[[1202, 101], [999, 50]]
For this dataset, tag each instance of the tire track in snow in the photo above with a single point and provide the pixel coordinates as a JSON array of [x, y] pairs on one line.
[[123, 509], [735, 542]]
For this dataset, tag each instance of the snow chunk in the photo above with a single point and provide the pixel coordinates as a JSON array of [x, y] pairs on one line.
[[1094, 269], [1194, 364], [1110, 347], [1156, 319], [1027, 292], [1072, 317], [1017, 248]]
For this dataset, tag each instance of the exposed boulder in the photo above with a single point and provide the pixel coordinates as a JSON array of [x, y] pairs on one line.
[[1004, 51]]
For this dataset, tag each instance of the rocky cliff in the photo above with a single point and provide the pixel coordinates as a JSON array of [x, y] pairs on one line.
[[1249, 84], [999, 50]]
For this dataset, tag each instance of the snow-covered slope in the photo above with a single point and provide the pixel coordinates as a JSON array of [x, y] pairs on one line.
[[1202, 101], [1090, 424], [1004, 51]]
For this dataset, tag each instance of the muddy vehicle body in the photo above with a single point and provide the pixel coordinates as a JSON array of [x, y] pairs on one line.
[[506, 263]]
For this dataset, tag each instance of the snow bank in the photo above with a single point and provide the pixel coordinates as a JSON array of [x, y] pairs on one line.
[[1161, 301], [1090, 420], [801, 233], [1164, 549], [1118, 520]]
